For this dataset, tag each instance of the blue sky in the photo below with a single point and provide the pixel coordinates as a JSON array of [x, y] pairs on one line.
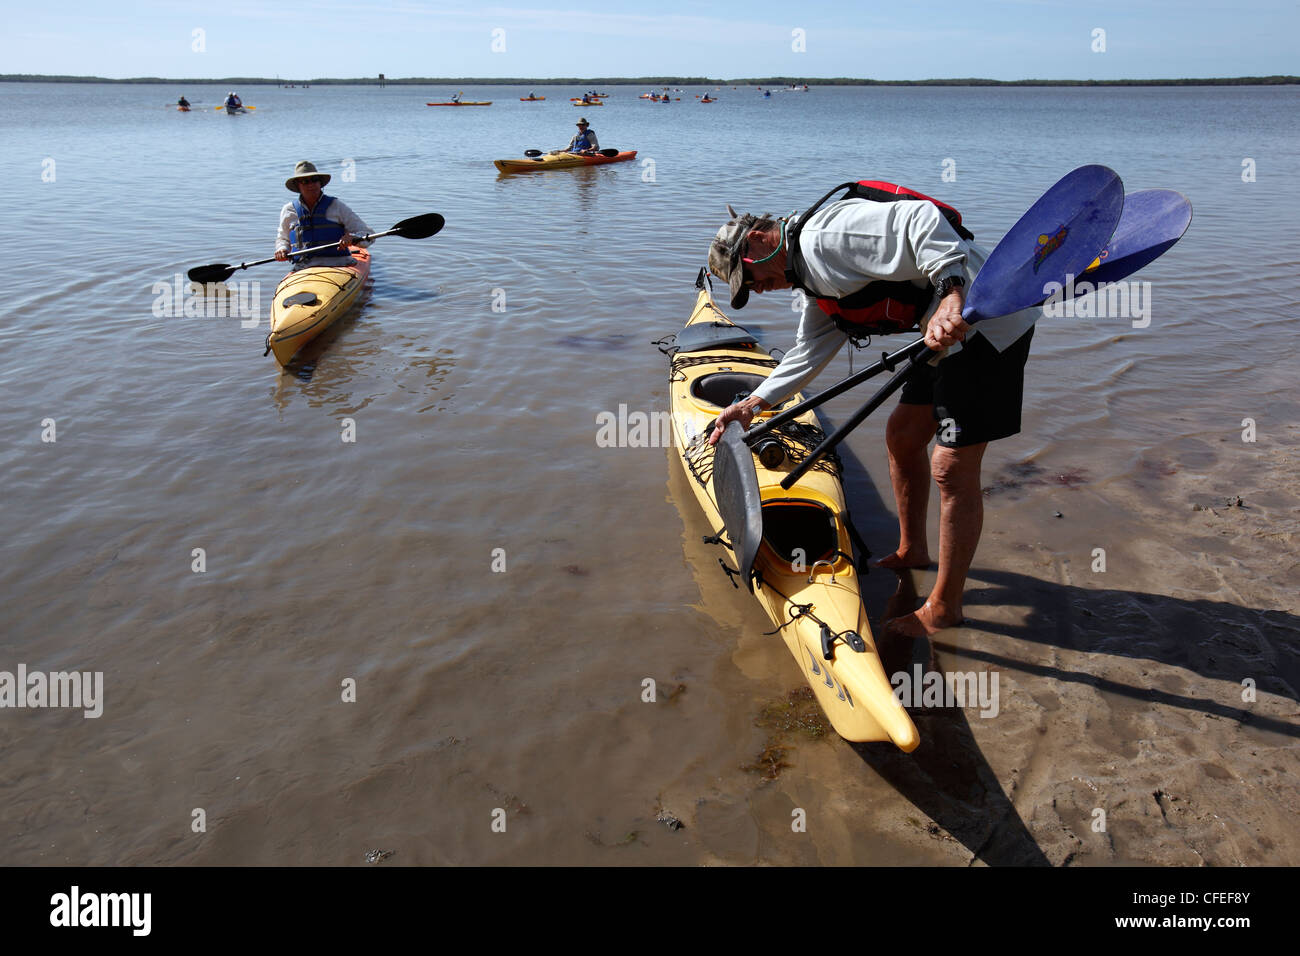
[[1001, 39]]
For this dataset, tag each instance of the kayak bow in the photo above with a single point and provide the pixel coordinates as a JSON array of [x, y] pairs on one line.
[[309, 301]]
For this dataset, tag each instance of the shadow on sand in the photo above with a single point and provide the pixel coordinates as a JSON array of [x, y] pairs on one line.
[[947, 777]]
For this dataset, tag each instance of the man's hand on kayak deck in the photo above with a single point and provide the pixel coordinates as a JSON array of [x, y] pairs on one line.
[[742, 411], [946, 326]]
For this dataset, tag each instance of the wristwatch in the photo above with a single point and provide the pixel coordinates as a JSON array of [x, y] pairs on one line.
[[948, 284]]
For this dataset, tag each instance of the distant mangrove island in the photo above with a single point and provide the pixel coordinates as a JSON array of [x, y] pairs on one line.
[[639, 81]]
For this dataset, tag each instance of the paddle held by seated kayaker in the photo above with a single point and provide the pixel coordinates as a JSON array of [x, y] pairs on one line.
[[314, 219], [842, 256], [584, 141]]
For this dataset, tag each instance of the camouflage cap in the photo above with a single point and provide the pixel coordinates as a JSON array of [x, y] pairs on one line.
[[725, 253]]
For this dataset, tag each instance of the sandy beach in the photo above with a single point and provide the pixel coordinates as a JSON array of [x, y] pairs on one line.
[[1127, 733]]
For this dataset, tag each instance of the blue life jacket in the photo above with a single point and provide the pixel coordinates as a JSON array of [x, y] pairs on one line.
[[313, 228], [581, 141]]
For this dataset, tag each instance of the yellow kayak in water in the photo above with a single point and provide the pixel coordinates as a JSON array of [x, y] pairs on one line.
[[559, 161], [806, 580], [309, 301]]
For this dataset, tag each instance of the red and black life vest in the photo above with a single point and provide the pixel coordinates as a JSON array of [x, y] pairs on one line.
[[880, 307]]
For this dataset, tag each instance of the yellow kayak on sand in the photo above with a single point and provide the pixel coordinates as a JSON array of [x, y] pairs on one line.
[[309, 301], [806, 581]]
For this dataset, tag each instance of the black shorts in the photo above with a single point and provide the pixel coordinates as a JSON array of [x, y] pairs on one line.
[[976, 393]]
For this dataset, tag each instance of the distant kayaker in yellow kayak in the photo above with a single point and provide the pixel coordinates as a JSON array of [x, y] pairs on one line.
[[584, 143], [314, 219], [970, 398]]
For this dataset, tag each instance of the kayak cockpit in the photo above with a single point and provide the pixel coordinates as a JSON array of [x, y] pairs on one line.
[[800, 532], [724, 388]]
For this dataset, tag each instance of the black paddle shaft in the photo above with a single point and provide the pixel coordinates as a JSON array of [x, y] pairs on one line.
[[417, 227], [533, 153], [887, 363], [889, 388]]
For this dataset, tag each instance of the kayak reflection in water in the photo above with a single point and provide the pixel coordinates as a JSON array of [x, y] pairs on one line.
[[584, 143], [314, 219], [970, 398]]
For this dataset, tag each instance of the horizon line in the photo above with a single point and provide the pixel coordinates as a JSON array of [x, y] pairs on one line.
[[1273, 80]]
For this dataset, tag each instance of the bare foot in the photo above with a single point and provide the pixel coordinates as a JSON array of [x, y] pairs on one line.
[[898, 561], [904, 599], [923, 622]]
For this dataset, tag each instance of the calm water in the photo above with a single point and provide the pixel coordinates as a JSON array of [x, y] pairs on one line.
[[371, 561]]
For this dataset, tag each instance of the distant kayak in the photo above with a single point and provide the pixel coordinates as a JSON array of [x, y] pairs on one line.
[[183, 109], [531, 99], [592, 103], [559, 161], [463, 103]]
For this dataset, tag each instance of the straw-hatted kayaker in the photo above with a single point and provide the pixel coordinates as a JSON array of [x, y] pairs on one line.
[[968, 399], [314, 219], [584, 141]]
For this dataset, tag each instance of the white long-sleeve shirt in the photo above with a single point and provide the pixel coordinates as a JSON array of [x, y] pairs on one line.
[[855, 241], [338, 211]]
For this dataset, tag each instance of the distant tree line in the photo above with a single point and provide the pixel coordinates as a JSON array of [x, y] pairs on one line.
[[648, 81]]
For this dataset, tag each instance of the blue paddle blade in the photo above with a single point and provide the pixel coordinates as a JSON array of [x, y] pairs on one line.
[[1152, 221], [1059, 236]]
